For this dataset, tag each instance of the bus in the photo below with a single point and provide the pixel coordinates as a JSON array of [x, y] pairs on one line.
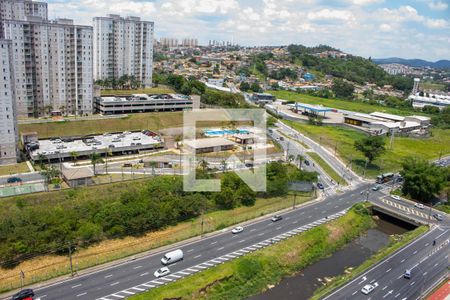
[[385, 177]]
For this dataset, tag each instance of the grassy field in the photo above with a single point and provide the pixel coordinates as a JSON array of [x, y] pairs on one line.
[[14, 169], [397, 242], [327, 168], [344, 138], [251, 274], [156, 90], [426, 85], [341, 104], [152, 121], [50, 266]]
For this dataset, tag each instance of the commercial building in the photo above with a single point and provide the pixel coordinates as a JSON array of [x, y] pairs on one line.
[[8, 119], [263, 98], [436, 100], [123, 46], [117, 144], [138, 103], [52, 61], [208, 145]]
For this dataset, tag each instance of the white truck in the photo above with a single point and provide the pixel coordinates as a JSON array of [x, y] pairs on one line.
[[172, 257]]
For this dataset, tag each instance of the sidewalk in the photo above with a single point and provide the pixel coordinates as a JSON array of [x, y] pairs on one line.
[[442, 293]]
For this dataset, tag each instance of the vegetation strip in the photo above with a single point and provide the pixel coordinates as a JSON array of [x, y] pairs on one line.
[[327, 168], [396, 242], [250, 274]]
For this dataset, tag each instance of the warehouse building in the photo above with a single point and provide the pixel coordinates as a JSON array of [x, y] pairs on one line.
[[208, 145]]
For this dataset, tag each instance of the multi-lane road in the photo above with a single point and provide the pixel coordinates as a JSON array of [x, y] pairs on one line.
[[134, 276]]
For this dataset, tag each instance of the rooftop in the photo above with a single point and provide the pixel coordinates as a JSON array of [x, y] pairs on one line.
[[208, 143]]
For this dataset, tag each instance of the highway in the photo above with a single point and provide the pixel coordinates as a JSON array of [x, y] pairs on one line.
[[128, 278]]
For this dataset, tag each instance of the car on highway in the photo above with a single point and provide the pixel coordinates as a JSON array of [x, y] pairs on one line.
[[161, 272], [438, 217], [13, 180], [320, 186], [306, 162], [368, 288], [238, 229], [419, 205], [395, 197], [172, 257], [407, 274], [277, 218], [376, 187], [25, 294], [281, 138]]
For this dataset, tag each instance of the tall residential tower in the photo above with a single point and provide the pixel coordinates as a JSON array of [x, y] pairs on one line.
[[123, 46]]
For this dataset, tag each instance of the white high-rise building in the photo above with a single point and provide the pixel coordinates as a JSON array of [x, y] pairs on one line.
[[123, 46], [20, 9], [52, 63], [8, 119]]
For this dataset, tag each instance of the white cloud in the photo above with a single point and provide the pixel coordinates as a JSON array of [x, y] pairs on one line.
[[438, 5], [436, 23], [366, 2], [329, 14], [385, 27]]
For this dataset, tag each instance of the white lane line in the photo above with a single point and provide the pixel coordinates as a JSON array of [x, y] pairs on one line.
[[139, 289], [107, 276], [197, 256], [384, 288], [279, 227], [260, 234], [251, 230], [144, 274], [75, 286], [241, 241], [354, 293], [43, 296], [127, 292], [176, 276], [82, 294], [166, 279], [190, 250], [415, 252], [115, 283], [436, 265], [148, 285], [137, 267], [118, 296], [388, 270], [295, 222], [213, 243]]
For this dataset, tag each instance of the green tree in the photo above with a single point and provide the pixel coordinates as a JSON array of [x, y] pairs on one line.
[[300, 158], [245, 195], [371, 147], [96, 159], [225, 199], [244, 86], [74, 155], [342, 89], [422, 179]]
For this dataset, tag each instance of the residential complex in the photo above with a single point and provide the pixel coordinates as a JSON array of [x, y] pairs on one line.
[[52, 61], [123, 46], [21, 9], [8, 120]]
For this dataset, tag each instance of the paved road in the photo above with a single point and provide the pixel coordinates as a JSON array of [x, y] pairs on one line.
[[428, 264], [134, 273], [26, 177]]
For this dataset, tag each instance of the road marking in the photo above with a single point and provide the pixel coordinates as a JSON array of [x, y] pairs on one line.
[[75, 286], [252, 230], [388, 270], [82, 294], [278, 228], [137, 267], [309, 217], [384, 288], [127, 292], [363, 279], [107, 276], [397, 295], [415, 252], [354, 293], [436, 265], [260, 234], [221, 248], [144, 274], [118, 296], [402, 260], [412, 283], [424, 274], [295, 222], [115, 283], [197, 256], [336, 206], [388, 293], [241, 241], [190, 250], [148, 285], [214, 243]]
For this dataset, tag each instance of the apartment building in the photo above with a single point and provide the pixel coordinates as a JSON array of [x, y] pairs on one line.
[[123, 46], [8, 120], [20, 9], [53, 63]]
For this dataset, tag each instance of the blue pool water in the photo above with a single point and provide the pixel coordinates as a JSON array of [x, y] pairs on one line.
[[225, 131]]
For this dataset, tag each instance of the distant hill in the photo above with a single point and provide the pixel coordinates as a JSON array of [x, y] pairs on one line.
[[413, 62]]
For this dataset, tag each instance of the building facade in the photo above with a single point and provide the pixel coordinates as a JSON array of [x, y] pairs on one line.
[[8, 119], [53, 64], [123, 46], [20, 9]]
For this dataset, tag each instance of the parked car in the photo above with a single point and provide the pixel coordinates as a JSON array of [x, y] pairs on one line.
[[13, 179], [306, 162], [238, 229], [281, 138], [25, 294], [320, 186], [407, 274], [172, 257], [368, 288], [395, 197], [276, 218], [438, 217], [419, 205], [127, 165], [161, 272]]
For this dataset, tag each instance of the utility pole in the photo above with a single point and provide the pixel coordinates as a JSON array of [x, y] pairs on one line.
[[295, 195], [22, 277]]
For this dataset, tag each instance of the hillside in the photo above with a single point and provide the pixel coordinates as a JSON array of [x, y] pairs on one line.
[[440, 64]]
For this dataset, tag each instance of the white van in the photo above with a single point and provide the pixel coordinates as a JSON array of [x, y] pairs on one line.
[[172, 257]]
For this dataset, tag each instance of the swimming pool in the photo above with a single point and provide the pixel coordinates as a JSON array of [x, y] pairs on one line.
[[214, 132]]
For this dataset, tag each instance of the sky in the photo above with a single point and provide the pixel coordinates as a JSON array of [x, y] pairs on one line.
[[369, 28]]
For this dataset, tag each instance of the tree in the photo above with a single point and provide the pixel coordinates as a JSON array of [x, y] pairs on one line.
[[255, 87], [244, 86], [245, 195], [422, 179], [225, 199], [300, 158], [203, 164], [342, 89], [41, 158], [290, 158], [371, 147], [223, 165], [95, 159], [74, 155]]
